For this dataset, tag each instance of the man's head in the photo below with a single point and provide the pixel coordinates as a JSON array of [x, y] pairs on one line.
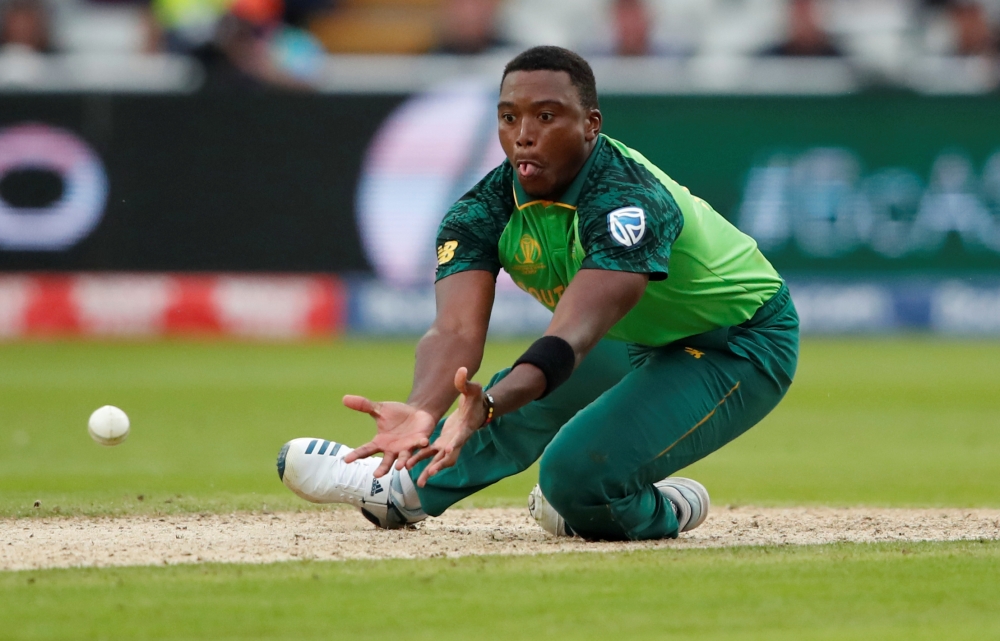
[[548, 118], [25, 23]]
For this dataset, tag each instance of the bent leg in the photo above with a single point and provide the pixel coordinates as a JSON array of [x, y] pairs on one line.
[[512, 442], [674, 410]]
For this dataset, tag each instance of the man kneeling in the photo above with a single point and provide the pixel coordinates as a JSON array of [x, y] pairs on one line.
[[671, 336]]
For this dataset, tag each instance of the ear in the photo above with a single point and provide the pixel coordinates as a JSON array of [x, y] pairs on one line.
[[592, 128]]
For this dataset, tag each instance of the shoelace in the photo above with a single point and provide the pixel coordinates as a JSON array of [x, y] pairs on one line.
[[358, 475]]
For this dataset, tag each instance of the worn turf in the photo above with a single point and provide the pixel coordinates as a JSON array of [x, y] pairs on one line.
[[902, 422], [884, 591]]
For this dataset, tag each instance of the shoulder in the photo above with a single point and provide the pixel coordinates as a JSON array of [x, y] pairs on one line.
[[623, 181], [468, 236], [624, 178], [488, 204]]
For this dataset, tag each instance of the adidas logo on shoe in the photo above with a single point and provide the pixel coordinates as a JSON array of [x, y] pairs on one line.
[[376, 487]]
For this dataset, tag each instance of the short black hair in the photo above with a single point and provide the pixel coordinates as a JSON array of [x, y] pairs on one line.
[[548, 58]]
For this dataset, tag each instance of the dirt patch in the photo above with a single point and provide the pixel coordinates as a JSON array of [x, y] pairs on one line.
[[341, 534]]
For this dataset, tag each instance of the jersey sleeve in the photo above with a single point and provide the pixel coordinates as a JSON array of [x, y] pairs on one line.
[[628, 221], [469, 235]]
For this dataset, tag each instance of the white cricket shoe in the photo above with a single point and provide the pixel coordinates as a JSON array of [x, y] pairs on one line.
[[545, 515], [688, 497], [315, 469]]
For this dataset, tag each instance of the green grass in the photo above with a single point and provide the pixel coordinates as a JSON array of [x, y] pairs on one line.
[[903, 421], [207, 419], [887, 422], [916, 591]]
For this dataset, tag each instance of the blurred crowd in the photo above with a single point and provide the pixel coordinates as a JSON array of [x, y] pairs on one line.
[[283, 42]]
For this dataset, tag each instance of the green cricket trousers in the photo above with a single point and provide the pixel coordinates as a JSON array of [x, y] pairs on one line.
[[630, 416]]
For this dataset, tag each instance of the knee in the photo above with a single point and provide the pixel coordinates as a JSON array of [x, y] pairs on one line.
[[570, 481]]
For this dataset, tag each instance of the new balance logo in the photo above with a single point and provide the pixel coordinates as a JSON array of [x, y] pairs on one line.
[[376, 487]]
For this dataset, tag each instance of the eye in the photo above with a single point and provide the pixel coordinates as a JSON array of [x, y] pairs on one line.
[[546, 116], [507, 117]]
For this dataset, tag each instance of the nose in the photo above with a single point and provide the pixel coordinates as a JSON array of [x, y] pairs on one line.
[[527, 134]]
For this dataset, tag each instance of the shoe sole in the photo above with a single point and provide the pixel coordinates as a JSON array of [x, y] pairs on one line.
[[281, 461]]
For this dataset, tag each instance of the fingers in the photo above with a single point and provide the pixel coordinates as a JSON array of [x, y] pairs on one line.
[[464, 385], [364, 451], [386, 465], [411, 452], [445, 458], [461, 378], [421, 454], [361, 404], [429, 471]]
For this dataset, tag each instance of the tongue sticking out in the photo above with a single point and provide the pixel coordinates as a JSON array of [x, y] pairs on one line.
[[526, 170]]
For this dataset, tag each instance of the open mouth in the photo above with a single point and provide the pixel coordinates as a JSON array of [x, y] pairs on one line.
[[527, 169]]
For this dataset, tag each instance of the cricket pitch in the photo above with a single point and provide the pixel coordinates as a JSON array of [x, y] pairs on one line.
[[342, 534]]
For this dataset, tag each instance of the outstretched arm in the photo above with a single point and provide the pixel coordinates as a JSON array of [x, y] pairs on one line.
[[594, 301], [455, 340]]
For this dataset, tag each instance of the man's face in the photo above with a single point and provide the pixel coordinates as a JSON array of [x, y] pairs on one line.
[[544, 130]]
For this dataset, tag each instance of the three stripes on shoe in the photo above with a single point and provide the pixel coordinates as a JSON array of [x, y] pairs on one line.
[[376, 486], [323, 447]]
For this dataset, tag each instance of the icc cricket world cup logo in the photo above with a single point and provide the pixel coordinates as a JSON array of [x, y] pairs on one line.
[[528, 255]]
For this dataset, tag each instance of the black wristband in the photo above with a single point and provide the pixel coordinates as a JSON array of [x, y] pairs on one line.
[[554, 356]]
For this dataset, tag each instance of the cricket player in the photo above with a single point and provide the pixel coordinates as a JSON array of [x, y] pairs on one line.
[[671, 336]]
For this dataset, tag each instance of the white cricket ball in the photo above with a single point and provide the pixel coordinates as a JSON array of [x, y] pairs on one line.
[[108, 425]]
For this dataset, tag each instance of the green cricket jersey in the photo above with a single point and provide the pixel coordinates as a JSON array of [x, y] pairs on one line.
[[620, 213]]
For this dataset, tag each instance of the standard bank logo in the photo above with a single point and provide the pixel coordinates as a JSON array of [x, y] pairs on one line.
[[627, 225]]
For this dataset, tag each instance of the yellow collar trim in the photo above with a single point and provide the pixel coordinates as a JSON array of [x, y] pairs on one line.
[[544, 203]]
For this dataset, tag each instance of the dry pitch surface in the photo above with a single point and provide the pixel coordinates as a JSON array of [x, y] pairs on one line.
[[340, 534]]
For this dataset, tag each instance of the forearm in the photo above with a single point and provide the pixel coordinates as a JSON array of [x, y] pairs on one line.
[[439, 355], [523, 384], [527, 382], [584, 315]]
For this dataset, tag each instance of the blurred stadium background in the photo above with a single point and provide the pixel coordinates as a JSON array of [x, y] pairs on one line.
[[277, 168], [274, 170]]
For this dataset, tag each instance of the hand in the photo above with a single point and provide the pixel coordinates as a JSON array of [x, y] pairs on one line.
[[402, 430], [457, 429]]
